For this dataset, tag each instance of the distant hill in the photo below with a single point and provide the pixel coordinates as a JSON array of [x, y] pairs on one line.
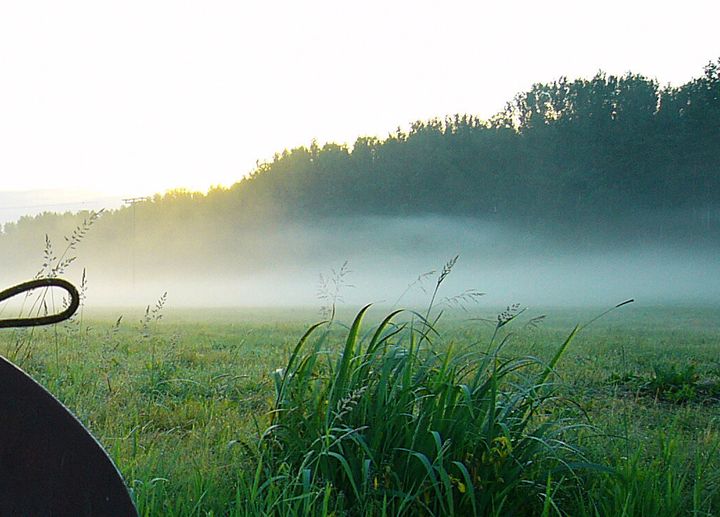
[[17, 204]]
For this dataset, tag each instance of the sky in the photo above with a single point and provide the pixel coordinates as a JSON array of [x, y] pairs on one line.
[[121, 99]]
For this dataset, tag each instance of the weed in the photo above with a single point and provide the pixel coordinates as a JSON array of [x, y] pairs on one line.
[[330, 289], [670, 383]]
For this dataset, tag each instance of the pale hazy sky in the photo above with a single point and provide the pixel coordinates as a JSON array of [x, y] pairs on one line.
[[136, 97]]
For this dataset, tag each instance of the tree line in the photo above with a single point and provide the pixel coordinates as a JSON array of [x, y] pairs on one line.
[[605, 148], [609, 152]]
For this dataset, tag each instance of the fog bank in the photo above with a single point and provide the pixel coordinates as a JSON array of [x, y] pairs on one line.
[[283, 266]]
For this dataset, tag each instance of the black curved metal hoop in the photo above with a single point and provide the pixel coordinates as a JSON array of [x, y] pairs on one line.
[[41, 320], [50, 464]]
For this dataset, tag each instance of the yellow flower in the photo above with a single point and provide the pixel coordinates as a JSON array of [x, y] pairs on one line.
[[500, 448], [459, 484]]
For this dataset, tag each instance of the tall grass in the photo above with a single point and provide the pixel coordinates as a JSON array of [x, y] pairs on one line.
[[396, 423]]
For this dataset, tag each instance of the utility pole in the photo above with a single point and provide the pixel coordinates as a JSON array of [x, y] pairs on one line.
[[132, 201]]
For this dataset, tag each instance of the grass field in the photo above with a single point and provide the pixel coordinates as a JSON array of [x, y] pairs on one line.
[[181, 401]]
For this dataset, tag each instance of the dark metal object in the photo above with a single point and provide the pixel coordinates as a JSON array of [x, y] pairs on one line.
[[41, 320], [50, 464]]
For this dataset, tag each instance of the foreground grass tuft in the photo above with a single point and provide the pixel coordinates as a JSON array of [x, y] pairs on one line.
[[397, 422]]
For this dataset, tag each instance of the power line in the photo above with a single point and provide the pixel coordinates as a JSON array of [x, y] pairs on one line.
[[48, 205], [133, 200]]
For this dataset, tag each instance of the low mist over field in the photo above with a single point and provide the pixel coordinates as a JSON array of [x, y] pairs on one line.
[[385, 256], [588, 191]]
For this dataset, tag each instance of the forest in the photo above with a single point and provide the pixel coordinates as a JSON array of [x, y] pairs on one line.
[[606, 159]]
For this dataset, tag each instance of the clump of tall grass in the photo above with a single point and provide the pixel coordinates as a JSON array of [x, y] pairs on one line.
[[393, 423]]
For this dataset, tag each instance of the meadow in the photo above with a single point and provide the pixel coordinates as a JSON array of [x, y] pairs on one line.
[[487, 412]]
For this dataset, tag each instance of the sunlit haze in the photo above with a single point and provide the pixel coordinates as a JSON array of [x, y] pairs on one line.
[[132, 98]]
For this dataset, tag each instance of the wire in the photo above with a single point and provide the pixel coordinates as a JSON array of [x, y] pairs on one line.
[[47, 205]]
